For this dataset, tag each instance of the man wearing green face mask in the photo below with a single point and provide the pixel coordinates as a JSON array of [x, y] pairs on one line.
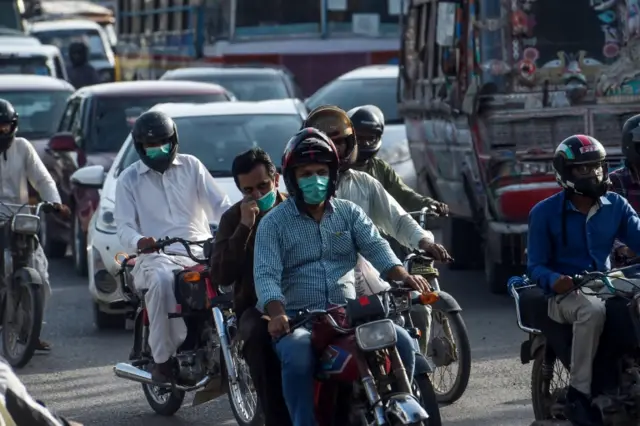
[[232, 263]]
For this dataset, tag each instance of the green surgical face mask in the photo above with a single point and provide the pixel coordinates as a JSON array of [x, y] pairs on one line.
[[267, 200], [154, 152], [314, 189]]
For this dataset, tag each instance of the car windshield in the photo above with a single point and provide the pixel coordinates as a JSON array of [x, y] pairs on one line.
[[63, 38], [24, 65], [228, 136], [114, 117], [252, 88], [351, 93], [39, 112]]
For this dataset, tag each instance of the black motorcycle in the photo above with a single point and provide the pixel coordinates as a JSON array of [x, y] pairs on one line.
[[22, 288], [616, 372]]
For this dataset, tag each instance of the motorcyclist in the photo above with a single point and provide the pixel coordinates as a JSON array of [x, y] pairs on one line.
[[369, 193], [163, 194], [571, 232], [20, 164], [81, 73], [626, 180], [304, 251], [368, 122]]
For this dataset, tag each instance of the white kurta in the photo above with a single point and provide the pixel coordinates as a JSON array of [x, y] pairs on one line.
[[20, 165], [181, 202]]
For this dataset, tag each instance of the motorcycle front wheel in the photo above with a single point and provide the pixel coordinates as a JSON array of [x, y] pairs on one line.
[[21, 325], [243, 399], [423, 390]]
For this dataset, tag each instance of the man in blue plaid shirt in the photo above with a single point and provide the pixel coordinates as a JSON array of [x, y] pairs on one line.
[[305, 252]]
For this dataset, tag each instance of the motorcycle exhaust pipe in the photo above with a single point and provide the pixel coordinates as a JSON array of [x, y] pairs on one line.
[[129, 372]]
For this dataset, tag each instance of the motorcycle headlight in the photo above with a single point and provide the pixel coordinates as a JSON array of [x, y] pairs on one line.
[[105, 221], [376, 335], [25, 224]]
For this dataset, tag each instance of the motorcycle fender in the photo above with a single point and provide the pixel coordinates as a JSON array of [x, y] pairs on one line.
[[537, 343], [27, 276], [216, 387], [446, 303], [423, 365], [405, 408]]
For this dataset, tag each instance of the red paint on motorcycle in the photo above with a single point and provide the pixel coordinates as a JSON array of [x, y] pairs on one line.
[[364, 300], [145, 318]]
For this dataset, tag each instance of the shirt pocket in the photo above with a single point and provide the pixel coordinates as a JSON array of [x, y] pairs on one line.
[[341, 244]]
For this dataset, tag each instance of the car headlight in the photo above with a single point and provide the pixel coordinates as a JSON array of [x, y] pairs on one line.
[[397, 153], [25, 224], [376, 335], [105, 222]]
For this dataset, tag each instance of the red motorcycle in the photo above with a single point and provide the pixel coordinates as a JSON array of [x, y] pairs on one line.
[[360, 379]]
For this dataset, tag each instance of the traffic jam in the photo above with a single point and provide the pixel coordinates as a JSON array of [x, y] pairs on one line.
[[339, 214]]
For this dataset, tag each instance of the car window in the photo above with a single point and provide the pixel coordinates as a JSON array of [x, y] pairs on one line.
[[76, 123], [244, 87], [40, 112], [63, 38], [59, 67], [114, 117], [36, 64], [351, 93], [228, 136], [69, 114]]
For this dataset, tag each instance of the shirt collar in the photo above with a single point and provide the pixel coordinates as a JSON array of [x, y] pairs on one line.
[[143, 168], [602, 201], [329, 208]]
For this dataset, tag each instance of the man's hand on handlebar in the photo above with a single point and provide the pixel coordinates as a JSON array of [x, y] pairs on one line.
[[147, 245], [278, 326], [564, 284], [437, 251], [441, 208], [62, 210], [417, 282]]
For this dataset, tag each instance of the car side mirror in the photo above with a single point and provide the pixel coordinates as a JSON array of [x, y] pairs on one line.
[[64, 142], [89, 177]]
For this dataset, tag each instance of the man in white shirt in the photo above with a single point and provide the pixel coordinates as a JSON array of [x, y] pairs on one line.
[[164, 194], [19, 166]]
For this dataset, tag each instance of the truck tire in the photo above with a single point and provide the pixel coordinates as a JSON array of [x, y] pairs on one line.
[[462, 239]]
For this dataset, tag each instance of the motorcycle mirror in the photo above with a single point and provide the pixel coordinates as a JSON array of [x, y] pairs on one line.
[[121, 258]]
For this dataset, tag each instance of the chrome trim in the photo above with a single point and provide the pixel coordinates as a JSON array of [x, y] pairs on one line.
[[516, 296], [129, 372], [218, 318], [405, 408]]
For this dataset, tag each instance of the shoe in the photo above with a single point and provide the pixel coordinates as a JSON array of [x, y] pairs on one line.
[[162, 373], [578, 409], [43, 346]]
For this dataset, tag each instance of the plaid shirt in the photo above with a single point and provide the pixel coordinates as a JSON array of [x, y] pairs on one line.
[[626, 183], [309, 265]]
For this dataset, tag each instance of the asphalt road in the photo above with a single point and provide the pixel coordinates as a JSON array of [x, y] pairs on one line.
[[76, 378]]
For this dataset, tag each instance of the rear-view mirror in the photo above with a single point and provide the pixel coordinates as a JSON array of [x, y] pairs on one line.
[[89, 177]]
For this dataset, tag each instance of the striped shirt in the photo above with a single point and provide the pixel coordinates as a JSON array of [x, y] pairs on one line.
[[305, 264]]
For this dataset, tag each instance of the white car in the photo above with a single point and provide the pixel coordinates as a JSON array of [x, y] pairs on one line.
[[215, 133], [373, 85]]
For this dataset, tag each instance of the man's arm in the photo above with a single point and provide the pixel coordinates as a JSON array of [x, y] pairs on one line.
[[212, 198], [387, 214], [267, 268], [629, 229], [539, 250], [369, 242], [126, 215], [230, 249], [39, 177], [407, 197]]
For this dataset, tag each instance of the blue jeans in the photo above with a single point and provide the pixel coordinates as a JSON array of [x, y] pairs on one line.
[[299, 364]]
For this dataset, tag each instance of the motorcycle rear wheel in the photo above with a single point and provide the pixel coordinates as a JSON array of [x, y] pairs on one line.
[[543, 393], [165, 402], [33, 294], [423, 390]]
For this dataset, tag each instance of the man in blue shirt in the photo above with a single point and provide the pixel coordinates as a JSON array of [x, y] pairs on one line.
[[305, 251], [571, 232]]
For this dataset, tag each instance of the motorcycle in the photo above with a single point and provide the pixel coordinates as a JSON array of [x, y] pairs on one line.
[[21, 289], [204, 362], [360, 379], [451, 346], [549, 347]]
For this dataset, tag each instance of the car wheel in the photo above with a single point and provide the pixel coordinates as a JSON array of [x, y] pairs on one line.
[[79, 248], [54, 249], [105, 321]]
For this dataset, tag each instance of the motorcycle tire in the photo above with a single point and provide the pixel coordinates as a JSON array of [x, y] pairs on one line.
[[35, 294], [540, 383], [461, 336], [234, 393], [428, 399], [168, 407]]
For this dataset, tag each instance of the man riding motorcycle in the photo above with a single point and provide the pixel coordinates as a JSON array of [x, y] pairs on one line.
[[232, 263], [163, 194], [571, 232], [81, 73], [304, 252], [20, 165]]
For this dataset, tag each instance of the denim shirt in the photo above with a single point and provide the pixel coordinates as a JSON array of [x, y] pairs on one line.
[[302, 263], [589, 237]]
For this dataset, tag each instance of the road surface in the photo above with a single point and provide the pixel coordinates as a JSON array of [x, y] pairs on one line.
[[77, 380]]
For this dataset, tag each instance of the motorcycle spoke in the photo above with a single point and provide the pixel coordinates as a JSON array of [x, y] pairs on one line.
[[444, 377]]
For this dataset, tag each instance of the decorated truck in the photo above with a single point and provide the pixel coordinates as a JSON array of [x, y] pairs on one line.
[[489, 88]]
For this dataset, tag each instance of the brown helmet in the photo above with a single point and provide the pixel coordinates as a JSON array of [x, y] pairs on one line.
[[335, 123]]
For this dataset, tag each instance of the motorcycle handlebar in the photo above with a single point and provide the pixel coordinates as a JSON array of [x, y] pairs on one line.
[[161, 244]]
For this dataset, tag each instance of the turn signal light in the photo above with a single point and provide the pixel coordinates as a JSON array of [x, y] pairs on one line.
[[191, 277], [429, 298]]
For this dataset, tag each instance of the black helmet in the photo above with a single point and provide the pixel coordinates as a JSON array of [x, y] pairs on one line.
[[8, 115], [579, 150], [78, 53], [309, 146], [335, 123], [631, 140], [156, 128], [368, 121]]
